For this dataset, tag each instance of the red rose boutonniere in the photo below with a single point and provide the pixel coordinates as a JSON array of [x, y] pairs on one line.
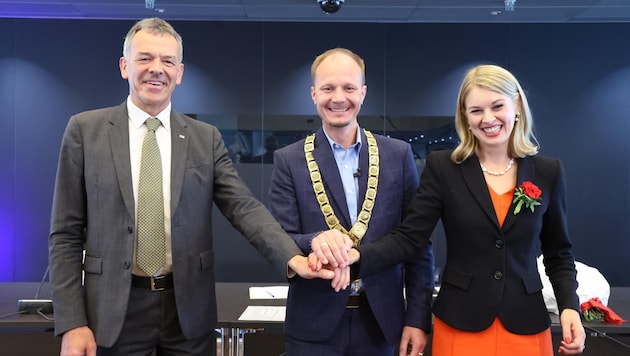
[[527, 194], [594, 309]]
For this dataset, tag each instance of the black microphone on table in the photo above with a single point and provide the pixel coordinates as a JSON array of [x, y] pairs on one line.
[[357, 174]]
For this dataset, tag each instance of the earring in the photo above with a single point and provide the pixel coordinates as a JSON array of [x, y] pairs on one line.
[[517, 116]]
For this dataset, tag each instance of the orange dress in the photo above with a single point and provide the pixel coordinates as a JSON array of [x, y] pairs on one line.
[[495, 340]]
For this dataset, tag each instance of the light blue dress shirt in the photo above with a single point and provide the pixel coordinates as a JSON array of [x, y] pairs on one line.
[[348, 164]]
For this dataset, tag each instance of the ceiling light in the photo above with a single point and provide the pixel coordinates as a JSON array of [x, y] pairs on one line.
[[509, 5]]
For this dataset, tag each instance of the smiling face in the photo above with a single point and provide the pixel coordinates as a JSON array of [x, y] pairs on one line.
[[153, 69], [338, 91], [490, 116]]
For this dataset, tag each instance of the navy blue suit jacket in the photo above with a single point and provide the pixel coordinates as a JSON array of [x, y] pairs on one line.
[[313, 307], [490, 270]]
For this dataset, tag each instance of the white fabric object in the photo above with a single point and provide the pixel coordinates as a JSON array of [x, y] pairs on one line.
[[591, 284]]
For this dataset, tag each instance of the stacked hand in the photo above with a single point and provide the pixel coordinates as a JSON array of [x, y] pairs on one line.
[[332, 250], [330, 259]]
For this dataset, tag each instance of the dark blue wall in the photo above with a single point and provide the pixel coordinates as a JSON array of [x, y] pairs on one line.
[[576, 75]]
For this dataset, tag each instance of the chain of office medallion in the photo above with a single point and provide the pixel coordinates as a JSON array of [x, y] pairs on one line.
[[359, 228]]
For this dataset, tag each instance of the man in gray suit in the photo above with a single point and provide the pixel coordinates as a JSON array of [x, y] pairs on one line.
[[121, 308]]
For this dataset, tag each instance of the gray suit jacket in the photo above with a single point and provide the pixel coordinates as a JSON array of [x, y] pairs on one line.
[[93, 209]]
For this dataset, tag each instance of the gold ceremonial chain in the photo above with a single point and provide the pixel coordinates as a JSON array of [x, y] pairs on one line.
[[359, 228]]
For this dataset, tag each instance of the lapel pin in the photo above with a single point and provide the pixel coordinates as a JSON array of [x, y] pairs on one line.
[[182, 137]]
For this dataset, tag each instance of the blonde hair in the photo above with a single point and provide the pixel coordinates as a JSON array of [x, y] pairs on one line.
[[319, 59], [491, 77], [154, 26]]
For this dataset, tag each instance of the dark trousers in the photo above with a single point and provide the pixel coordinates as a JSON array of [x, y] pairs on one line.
[[358, 334], [152, 327]]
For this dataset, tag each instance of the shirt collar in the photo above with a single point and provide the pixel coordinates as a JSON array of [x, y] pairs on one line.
[[357, 144], [138, 116]]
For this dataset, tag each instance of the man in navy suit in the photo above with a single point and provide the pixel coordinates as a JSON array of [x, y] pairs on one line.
[[344, 178], [121, 309]]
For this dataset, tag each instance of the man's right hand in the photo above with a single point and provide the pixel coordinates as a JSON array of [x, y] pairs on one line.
[[78, 342]]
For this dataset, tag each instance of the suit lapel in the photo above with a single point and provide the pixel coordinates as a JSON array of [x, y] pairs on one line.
[[332, 180], [473, 176], [179, 147], [119, 143], [526, 171], [479, 189]]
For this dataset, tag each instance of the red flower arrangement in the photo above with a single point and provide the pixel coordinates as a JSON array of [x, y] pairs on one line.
[[527, 194], [594, 309]]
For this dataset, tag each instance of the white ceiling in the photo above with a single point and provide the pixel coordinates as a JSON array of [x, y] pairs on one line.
[[403, 11]]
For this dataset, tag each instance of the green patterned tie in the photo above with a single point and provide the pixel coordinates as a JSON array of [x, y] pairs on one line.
[[151, 250]]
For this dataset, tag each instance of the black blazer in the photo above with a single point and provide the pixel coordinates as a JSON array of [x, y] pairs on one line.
[[490, 270]]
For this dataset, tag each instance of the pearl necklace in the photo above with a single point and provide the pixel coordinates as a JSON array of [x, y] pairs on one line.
[[509, 166]]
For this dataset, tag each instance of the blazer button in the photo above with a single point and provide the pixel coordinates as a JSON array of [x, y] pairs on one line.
[[498, 275], [127, 264], [499, 244], [130, 229]]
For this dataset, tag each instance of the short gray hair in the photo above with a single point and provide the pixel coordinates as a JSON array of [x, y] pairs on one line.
[[155, 26]]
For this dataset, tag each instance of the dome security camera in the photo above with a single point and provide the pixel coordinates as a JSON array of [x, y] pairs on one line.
[[330, 6]]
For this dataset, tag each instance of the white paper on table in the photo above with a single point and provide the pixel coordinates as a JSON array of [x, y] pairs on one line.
[[263, 313], [269, 292]]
